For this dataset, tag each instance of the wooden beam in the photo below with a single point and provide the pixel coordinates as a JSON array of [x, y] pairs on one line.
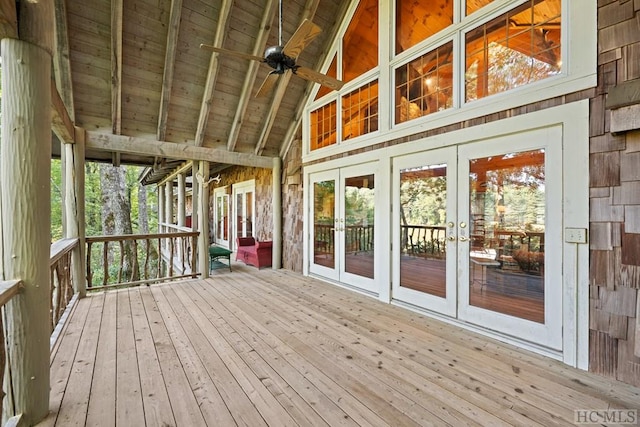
[[61, 62], [61, 122], [132, 145], [186, 166], [212, 74], [36, 24], [116, 66], [8, 20], [252, 71], [169, 66], [281, 87]]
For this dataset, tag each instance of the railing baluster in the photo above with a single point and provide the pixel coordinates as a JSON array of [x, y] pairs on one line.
[[146, 258], [105, 263], [121, 244], [89, 271]]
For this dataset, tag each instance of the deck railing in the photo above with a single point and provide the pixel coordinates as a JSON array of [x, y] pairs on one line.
[[423, 240], [8, 289], [158, 257], [61, 281]]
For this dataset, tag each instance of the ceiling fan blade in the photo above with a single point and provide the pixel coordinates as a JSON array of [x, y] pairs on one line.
[[232, 53], [323, 79], [267, 85], [306, 32]]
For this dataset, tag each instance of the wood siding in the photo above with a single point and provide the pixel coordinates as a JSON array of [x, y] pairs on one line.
[[292, 212], [615, 203]]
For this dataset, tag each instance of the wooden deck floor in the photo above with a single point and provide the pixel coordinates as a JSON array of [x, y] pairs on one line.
[[274, 348]]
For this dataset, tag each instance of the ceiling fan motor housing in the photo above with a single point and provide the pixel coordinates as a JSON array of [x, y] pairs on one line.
[[278, 60]]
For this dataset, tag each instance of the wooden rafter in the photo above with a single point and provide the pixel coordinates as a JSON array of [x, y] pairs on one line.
[[8, 19], [116, 65], [61, 63], [169, 65], [61, 122], [132, 145], [212, 74], [250, 77], [309, 12]]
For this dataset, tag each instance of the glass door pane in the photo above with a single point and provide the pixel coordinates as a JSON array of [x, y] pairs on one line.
[[222, 218], [423, 244], [424, 263], [240, 215], [324, 223], [359, 202], [507, 206]]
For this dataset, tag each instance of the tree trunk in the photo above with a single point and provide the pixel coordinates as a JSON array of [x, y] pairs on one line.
[[116, 215]]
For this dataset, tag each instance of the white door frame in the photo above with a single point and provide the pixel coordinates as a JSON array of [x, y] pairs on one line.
[[243, 188], [218, 193]]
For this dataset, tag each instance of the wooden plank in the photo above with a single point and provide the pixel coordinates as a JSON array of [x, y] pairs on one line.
[[332, 389], [157, 408], [244, 399], [63, 357], [61, 62], [8, 20], [75, 403], [102, 404], [183, 402], [129, 407], [132, 145]]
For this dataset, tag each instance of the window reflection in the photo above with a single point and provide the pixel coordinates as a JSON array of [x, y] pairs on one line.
[[507, 232], [515, 49], [360, 41], [360, 111], [323, 126], [473, 5], [416, 21]]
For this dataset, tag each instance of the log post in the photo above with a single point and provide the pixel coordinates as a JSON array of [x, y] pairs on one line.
[[168, 200], [203, 219], [161, 205], [74, 207], [25, 172], [195, 185], [276, 254], [182, 213]]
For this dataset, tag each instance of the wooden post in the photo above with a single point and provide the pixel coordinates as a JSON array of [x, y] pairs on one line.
[[276, 253], [168, 200], [25, 173], [181, 200], [195, 185], [203, 219], [74, 207], [161, 205]]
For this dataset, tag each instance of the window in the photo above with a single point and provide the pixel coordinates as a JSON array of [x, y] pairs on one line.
[[360, 41], [425, 85], [360, 111], [473, 5], [520, 47], [416, 21], [331, 72], [323, 126]]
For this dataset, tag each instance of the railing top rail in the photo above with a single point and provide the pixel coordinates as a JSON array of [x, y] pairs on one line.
[[174, 226], [61, 247], [8, 289], [115, 238], [426, 227]]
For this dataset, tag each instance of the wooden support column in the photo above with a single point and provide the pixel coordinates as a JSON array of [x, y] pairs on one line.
[[182, 213], [161, 206], [276, 254], [25, 174], [195, 185], [74, 207], [203, 219], [168, 202]]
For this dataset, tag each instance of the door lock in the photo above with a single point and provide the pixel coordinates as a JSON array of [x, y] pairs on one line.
[[463, 238]]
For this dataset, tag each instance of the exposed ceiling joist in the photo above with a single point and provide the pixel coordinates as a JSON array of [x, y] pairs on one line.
[[169, 65], [116, 65], [207, 96], [252, 70], [8, 19], [61, 122], [61, 63], [133, 145]]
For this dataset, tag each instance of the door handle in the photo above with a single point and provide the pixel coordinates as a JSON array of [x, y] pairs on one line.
[[451, 238], [463, 238]]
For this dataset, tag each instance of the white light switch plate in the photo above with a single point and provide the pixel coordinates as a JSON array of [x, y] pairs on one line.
[[575, 235]]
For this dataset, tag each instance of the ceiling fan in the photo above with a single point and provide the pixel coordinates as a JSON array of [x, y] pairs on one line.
[[283, 57]]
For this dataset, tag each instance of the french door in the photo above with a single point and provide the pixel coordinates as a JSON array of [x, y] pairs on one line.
[[221, 216], [244, 209], [342, 246], [478, 235]]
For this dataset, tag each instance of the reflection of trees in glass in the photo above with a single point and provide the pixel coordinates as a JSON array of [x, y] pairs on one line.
[[423, 200], [359, 206], [323, 203], [507, 69]]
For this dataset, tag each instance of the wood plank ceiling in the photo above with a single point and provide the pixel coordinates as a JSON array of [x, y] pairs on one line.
[[134, 68]]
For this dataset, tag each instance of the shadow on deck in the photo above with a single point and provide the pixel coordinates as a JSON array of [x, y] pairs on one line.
[[276, 348]]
